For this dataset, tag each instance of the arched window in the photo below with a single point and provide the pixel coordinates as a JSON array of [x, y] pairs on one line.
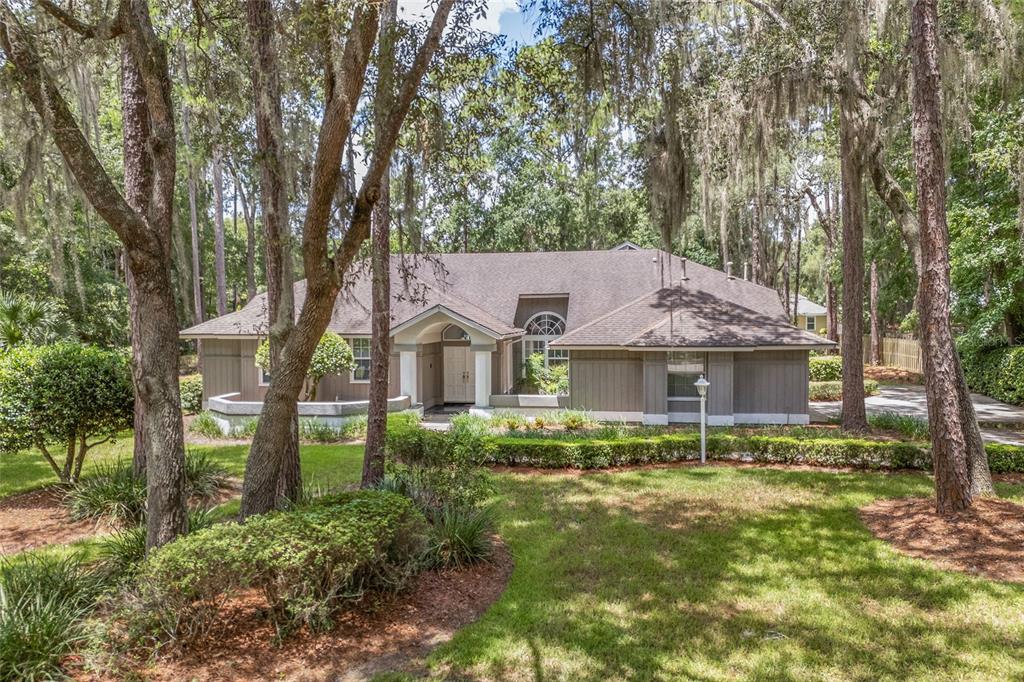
[[454, 333], [541, 329]]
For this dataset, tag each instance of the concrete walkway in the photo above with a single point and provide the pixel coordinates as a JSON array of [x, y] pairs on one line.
[[999, 422]]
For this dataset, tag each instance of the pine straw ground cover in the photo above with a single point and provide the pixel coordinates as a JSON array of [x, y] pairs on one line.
[[720, 573]]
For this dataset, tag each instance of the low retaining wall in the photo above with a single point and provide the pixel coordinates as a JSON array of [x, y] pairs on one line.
[[230, 413]]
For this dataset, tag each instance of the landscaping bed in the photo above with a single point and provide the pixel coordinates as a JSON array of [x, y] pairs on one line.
[[39, 518]]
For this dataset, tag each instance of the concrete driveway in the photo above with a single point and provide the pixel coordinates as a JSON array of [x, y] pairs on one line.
[[999, 422]]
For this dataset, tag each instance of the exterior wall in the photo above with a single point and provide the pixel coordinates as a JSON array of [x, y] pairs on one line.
[[770, 383], [229, 367], [606, 381], [430, 368], [820, 322], [528, 307], [720, 392], [655, 384], [335, 387]]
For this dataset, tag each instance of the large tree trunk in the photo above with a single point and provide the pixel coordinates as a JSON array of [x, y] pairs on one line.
[[380, 354], [851, 153], [220, 274], [193, 215], [150, 146], [876, 324], [284, 475], [325, 272], [953, 489]]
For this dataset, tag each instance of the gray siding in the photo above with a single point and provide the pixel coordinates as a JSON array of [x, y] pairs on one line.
[[335, 387], [770, 382], [720, 375], [606, 380], [528, 307], [655, 383]]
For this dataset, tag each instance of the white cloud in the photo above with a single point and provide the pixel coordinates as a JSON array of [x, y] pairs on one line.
[[419, 10]]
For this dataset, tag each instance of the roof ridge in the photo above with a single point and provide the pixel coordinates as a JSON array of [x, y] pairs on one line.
[[611, 312]]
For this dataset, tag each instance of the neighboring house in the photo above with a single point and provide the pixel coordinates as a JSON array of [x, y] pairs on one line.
[[636, 327], [810, 315]]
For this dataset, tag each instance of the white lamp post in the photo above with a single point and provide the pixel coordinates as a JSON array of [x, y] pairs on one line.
[[702, 390]]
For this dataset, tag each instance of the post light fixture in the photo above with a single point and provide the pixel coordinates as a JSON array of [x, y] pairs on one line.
[[702, 390]]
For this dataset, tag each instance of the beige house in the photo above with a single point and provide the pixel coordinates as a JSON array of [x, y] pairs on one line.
[[810, 315], [636, 328]]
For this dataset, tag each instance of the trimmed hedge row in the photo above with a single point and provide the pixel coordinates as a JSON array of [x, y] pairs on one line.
[[996, 372], [825, 368], [844, 452], [833, 390]]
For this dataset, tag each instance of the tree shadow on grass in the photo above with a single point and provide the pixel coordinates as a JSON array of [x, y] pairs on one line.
[[622, 576]]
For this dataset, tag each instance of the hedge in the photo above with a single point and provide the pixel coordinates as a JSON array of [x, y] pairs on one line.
[[833, 390], [996, 372], [307, 562], [844, 452], [825, 368]]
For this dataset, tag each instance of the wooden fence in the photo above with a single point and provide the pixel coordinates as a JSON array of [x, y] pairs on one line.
[[896, 352]]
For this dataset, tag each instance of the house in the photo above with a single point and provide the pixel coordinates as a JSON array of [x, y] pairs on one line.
[[636, 328], [810, 315]]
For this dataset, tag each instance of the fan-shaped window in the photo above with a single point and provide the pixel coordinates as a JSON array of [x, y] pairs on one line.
[[454, 333], [545, 324]]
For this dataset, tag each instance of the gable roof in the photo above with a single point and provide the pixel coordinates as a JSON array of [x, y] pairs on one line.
[[805, 306], [486, 288]]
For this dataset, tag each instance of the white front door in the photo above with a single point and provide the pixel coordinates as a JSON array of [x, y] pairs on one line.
[[459, 375]]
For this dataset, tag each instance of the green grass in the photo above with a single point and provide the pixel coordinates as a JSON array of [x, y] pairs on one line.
[[326, 465], [722, 573]]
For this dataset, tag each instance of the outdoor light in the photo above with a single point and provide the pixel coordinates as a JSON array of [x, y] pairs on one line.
[[702, 390]]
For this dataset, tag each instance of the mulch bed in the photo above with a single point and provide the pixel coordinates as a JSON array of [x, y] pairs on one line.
[[892, 375], [392, 634], [987, 541], [39, 518]]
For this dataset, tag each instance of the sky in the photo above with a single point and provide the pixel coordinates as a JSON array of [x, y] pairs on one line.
[[503, 17]]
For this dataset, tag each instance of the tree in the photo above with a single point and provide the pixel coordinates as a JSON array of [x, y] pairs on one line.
[[23, 320], [67, 394], [333, 355], [326, 270], [141, 218], [953, 473]]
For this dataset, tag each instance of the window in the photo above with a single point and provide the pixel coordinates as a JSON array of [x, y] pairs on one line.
[[809, 324], [454, 333], [683, 370], [264, 376], [541, 329], [361, 353]]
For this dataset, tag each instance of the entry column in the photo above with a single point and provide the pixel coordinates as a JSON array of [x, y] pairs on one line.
[[407, 374], [482, 366]]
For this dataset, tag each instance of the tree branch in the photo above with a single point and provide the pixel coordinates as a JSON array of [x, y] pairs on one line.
[[105, 29]]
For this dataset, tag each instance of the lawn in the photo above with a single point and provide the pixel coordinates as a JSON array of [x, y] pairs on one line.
[[325, 465], [723, 573]]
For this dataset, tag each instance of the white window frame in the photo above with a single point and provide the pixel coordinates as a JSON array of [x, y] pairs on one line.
[[262, 377], [352, 374], [703, 372], [545, 339], [811, 323]]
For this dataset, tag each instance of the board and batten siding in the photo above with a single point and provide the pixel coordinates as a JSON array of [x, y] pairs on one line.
[[606, 380], [655, 383], [720, 375], [770, 382], [531, 305]]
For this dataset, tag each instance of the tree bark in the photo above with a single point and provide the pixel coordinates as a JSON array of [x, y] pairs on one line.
[[326, 272], [953, 491], [380, 354], [146, 237], [193, 215], [220, 274], [876, 324], [851, 152]]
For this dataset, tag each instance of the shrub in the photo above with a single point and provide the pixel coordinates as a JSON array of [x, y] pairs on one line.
[[68, 394], [247, 429], [205, 425], [550, 380], [332, 355], [833, 390], [192, 394], [826, 368], [44, 599], [512, 421], [318, 431], [574, 420], [908, 426], [204, 477], [460, 535], [120, 554], [307, 562], [996, 371]]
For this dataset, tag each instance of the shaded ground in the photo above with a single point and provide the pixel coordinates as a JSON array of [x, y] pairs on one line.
[[392, 635], [987, 540], [39, 518], [892, 375]]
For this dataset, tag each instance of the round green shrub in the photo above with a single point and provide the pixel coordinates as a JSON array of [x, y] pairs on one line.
[[332, 355], [192, 394], [825, 368]]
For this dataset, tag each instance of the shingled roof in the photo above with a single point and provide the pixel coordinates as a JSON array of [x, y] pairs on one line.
[[622, 298]]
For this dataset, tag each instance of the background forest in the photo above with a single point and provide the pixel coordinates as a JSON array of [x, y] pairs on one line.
[[712, 127]]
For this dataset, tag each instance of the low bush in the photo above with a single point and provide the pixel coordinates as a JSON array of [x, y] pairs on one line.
[[192, 394], [996, 371], [825, 368], [120, 554], [307, 562], [512, 421], [206, 426], [460, 535], [908, 426], [591, 453], [574, 420], [44, 599], [204, 477], [833, 390]]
